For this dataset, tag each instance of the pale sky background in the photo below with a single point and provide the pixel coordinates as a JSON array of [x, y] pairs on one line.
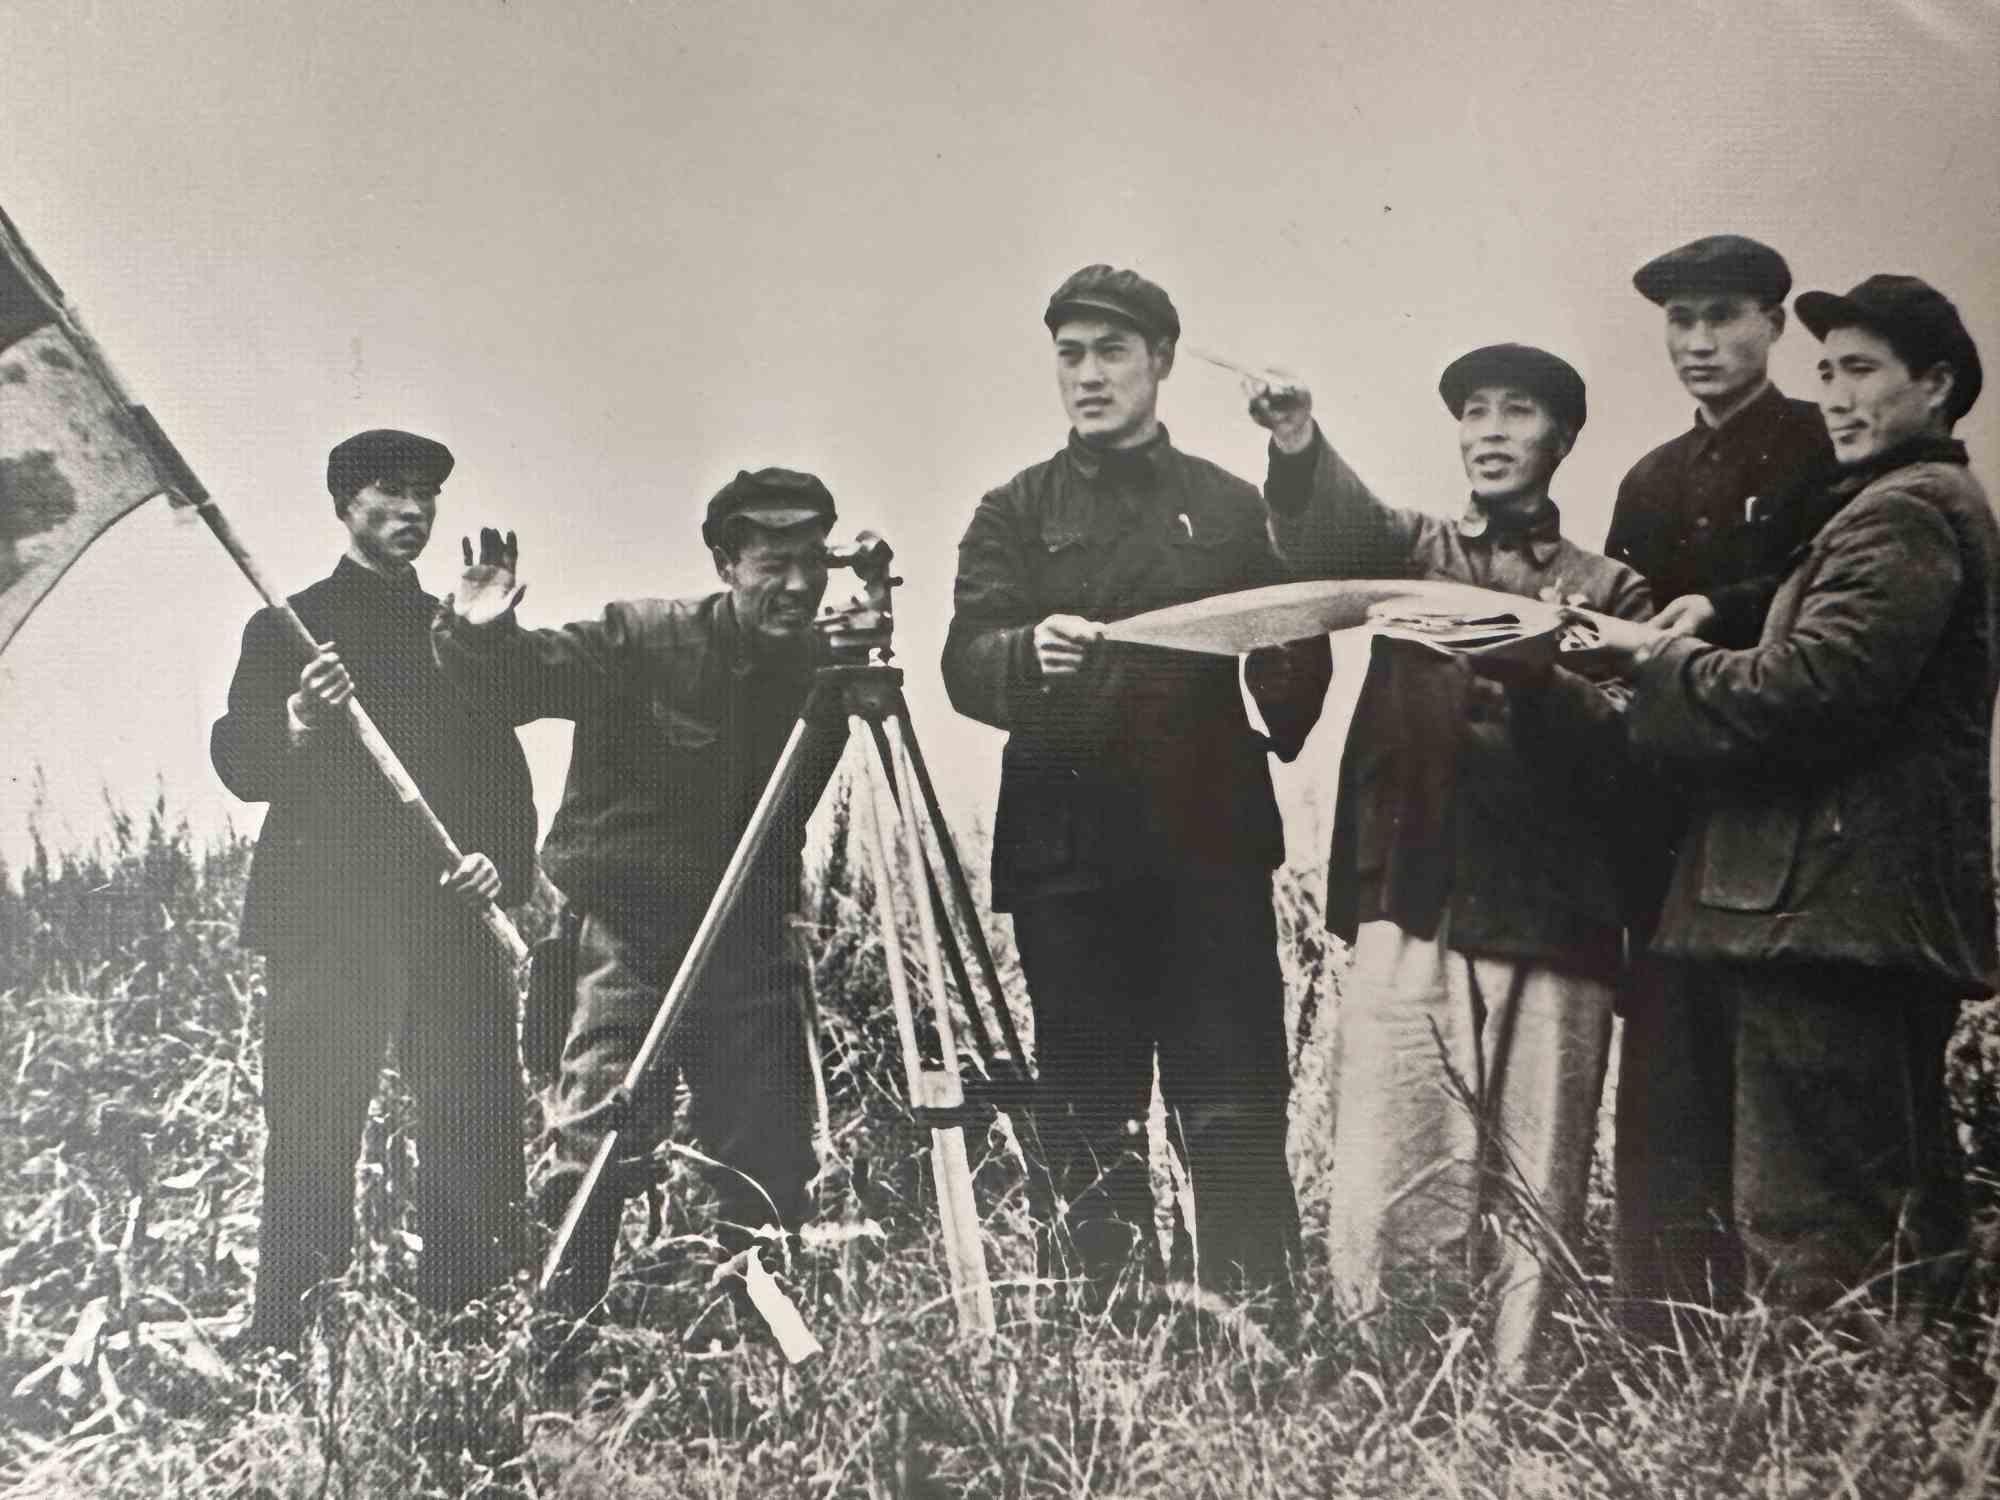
[[612, 252]]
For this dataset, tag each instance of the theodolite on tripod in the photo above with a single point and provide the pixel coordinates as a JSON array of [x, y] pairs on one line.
[[856, 693]]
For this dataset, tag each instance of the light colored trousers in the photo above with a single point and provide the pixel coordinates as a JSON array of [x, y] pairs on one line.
[[1467, 1087]]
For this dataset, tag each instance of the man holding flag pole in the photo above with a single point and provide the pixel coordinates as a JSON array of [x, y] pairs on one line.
[[75, 456], [369, 945]]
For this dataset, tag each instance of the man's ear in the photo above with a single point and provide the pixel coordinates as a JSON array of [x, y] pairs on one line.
[[1163, 356], [725, 565], [1938, 382], [1565, 440], [1776, 313]]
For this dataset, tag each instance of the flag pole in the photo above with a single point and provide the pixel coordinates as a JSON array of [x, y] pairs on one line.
[[179, 482], [379, 749]]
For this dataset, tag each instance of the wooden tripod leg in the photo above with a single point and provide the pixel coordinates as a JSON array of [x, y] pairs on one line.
[[951, 1173], [940, 908], [961, 891]]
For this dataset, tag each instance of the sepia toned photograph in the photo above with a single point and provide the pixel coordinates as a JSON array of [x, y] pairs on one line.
[[915, 751]]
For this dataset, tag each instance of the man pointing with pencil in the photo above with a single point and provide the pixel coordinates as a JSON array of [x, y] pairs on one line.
[[1473, 859]]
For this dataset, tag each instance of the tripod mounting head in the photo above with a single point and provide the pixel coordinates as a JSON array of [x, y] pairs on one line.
[[860, 630]]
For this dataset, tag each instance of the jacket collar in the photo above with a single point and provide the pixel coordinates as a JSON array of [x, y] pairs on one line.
[[1768, 402], [1538, 533], [403, 585], [731, 642], [733, 645], [1918, 450], [1142, 465]]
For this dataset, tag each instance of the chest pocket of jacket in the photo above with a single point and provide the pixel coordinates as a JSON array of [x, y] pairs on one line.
[[1067, 570], [1205, 561]]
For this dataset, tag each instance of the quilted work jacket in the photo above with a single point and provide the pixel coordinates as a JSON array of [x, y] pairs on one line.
[[1843, 762]]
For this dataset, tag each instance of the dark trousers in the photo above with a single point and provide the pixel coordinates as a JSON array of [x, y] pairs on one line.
[[1184, 965], [1674, 1133], [1806, 1107], [422, 979], [741, 1049]]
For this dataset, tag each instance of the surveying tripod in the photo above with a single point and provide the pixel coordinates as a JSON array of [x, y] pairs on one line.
[[857, 694]]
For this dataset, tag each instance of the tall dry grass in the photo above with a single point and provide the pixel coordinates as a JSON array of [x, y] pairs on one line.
[[129, 1077]]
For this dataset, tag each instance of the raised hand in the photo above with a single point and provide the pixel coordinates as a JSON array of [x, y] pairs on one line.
[[486, 589], [1284, 405]]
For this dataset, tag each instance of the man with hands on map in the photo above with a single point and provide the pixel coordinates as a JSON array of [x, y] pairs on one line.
[[1832, 904], [1473, 859]]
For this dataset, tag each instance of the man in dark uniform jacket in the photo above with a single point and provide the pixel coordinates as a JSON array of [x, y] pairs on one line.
[[1704, 514], [370, 945], [682, 708], [1137, 830], [1729, 498]]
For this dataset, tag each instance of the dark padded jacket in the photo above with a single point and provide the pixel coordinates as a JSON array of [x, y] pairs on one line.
[[336, 840], [678, 728], [1843, 762], [1147, 757]]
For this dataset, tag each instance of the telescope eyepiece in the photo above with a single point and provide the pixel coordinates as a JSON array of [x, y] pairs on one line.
[[869, 555]]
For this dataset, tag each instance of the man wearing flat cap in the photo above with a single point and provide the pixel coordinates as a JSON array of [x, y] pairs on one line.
[[682, 707], [372, 948], [1137, 829], [1724, 501], [1701, 516], [1833, 902], [1473, 856]]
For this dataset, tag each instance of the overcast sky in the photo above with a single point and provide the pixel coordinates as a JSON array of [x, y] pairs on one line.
[[611, 252]]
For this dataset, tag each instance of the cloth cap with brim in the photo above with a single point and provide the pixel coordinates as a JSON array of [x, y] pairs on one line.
[[1552, 381], [1716, 263], [380, 453], [1918, 321], [776, 498], [1104, 291]]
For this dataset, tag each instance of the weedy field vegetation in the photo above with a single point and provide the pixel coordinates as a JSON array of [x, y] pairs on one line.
[[129, 1087]]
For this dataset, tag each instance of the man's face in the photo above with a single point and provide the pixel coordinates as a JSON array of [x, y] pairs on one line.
[[1870, 399], [1110, 381], [389, 519], [1720, 343], [776, 580], [1511, 444]]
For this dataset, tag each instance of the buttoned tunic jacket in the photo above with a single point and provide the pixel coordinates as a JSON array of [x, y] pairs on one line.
[[1146, 758], [336, 841], [1455, 796], [1718, 506], [1844, 760]]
